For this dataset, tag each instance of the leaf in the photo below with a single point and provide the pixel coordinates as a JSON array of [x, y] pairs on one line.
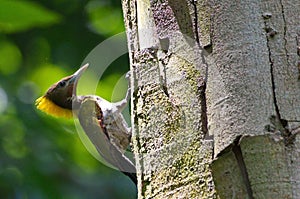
[[16, 16]]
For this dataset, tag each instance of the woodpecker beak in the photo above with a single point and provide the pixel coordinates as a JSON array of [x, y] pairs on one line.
[[75, 77]]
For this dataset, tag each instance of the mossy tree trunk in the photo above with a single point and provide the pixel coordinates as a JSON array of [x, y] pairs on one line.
[[215, 98]]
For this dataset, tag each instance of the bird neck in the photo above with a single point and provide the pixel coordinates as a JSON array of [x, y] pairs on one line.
[[50, 107]]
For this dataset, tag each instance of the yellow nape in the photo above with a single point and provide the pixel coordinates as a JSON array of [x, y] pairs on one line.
[[47, 106]]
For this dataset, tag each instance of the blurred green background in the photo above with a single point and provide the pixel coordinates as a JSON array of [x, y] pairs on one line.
[[41, 42]]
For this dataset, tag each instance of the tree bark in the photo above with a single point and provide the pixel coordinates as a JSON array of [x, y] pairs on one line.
[[216, 97]]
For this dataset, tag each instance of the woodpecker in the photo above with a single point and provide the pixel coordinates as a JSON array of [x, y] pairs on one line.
[[101, 120]]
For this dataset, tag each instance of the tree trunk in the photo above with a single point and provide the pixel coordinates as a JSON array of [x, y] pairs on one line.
[[216, 97]]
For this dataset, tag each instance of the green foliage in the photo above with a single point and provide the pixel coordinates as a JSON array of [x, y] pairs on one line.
[[16, 16], [12, 56], [101, 14], [40, 42]]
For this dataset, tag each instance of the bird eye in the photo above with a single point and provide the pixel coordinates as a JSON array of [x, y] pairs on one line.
[[62, 83]]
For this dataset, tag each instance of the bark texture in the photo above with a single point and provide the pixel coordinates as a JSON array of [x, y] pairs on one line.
[[172, 155], [253, 92], [216, 97]]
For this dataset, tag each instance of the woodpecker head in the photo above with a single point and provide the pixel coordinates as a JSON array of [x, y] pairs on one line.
[[60, 100]]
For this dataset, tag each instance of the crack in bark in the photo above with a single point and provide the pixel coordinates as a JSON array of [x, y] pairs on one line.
[[163, 59], [204, 122], [273, 82], [284, 32], [136, 31], [283, 124], [196, 22], [277, 112], [202, 84], [236, 149], [298, 53]]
